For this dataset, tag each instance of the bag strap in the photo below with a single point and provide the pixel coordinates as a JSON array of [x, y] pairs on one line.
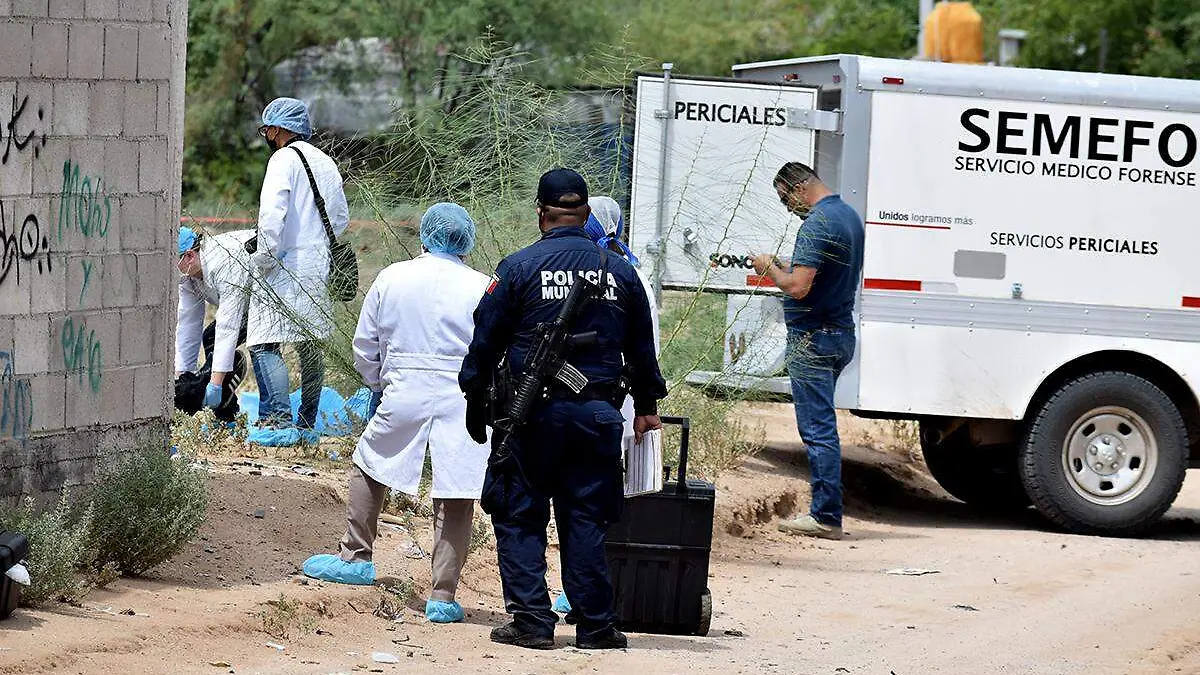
[[312, 181], [603, 278]]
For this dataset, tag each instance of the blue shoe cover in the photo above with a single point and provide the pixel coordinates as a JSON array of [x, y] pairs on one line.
[[332, 568], [310, 437], [561, 605], [438, 611], [275, 438]]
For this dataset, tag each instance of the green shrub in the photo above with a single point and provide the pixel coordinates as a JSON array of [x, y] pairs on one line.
[[147, 507], [58, 546]]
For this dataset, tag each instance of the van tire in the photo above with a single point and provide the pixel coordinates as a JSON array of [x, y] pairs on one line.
[[985, 478], [1106, 454]]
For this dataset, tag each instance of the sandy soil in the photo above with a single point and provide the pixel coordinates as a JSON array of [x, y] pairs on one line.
[[1008, 596]]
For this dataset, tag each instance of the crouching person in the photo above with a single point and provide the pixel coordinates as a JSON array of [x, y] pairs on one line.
[[413, 332]]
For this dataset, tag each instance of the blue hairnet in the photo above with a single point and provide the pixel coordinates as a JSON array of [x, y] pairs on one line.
[[447, 228], [605, 224], [187, 239], [290, 114]]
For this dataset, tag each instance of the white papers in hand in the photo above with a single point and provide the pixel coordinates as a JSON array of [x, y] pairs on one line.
[[643, 464]]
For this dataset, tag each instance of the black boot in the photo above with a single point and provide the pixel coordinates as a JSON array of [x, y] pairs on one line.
[[610, 639], [512, 634]]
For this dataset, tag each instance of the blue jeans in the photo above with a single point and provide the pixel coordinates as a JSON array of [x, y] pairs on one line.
[[274, 403], [815, 360]]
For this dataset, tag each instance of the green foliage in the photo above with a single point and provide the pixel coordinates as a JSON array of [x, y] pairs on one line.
[[147, 507], [58, 546]]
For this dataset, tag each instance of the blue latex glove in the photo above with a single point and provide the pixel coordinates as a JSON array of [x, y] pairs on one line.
[[376, 398], [212, 395]]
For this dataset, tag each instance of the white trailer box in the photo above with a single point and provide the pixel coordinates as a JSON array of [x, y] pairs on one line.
[[1029, 291]]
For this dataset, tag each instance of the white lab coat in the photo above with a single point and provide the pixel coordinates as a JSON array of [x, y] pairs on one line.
[[225, 284], [290, 300], [627, 407], [413, 332]]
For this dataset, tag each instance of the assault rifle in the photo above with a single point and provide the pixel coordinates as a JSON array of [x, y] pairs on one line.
[[546, 364]]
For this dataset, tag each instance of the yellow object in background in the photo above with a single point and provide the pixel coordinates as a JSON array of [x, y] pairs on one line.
[[954, 33]]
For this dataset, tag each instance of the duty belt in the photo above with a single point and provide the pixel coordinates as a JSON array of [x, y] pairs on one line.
[[608, 391]]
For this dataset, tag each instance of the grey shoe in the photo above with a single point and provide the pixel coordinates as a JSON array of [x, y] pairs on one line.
[[810, 527]]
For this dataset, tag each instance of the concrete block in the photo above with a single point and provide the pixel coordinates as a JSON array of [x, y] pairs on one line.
[[71, 109], [49, 287], [148, 399], [120, 281], [14, 298], [85, 279], [154, 52], [156, 275], [116, 394], [138, 223], [88, 152], [31, 344], [85, 51], [67, 9], [49, 394], [120, 52], [101, 9], [5, 7], [139, 342], [6, 334], [90, 343], [137, 10], [48, 174], [120, 174], [164, 109], [141, 110], [16, 49], [83, 405], [107, 108], [16, 177], [37, 8], [50, 50], [154, 166]]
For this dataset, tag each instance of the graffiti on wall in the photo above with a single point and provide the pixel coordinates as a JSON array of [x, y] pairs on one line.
[[85, 208], [20, 120], [83, 354], [16, 417]]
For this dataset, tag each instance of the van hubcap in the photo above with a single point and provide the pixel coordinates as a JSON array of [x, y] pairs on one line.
[[1110, 456]]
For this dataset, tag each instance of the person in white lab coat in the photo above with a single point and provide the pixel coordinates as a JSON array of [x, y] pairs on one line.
[[605, 226], [290, 301], [215, 271], [413, 332]]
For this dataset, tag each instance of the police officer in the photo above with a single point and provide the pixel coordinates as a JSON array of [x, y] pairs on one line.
[[570, 448]]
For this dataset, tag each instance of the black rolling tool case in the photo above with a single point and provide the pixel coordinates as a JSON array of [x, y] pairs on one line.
[[14, 548], [658, 555]]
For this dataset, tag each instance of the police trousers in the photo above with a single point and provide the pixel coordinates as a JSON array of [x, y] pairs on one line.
[[568, 452]]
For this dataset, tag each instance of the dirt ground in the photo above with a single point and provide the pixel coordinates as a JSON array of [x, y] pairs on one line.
[[1008, 596]]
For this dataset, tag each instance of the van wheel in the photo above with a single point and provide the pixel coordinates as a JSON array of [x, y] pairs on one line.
[[1106, 454], [984, 477]]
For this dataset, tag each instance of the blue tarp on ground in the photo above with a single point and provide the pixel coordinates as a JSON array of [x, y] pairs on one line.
[[336, 416]]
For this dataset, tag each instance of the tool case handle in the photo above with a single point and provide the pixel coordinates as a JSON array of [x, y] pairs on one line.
[[685, 424]]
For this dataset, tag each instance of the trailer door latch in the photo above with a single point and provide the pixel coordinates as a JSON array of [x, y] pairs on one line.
[[817, 120]]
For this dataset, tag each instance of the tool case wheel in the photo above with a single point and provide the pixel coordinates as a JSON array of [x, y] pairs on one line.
[[705, 613]]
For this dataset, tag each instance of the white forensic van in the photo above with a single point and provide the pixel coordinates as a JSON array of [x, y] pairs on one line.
[[1031, 285]]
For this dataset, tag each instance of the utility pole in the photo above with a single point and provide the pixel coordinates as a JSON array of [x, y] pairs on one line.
[[925, 7]]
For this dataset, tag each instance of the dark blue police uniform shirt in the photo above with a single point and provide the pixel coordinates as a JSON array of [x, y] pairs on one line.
[[529, 287], [831, 240]]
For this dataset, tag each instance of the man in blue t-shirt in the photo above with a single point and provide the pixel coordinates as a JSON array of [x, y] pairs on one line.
[[821, 282]]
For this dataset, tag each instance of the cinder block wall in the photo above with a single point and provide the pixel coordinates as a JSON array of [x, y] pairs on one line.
[[91, 140]]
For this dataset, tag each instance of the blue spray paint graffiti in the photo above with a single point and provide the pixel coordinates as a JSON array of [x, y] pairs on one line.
[[16, 418]]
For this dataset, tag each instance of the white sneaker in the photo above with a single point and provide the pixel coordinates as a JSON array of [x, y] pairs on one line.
[[810, 527]]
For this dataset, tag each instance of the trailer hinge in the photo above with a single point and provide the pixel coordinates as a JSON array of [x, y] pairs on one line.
[[661, 114], [817, 120]]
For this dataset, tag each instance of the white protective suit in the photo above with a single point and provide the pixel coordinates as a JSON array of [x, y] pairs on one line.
[[415, 326], [225, 284], [290, 301]]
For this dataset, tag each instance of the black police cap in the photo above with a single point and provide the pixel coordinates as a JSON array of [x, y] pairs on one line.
[[557, 183]]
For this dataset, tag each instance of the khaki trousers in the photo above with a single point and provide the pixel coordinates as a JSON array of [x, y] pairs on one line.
[[451, 531]]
